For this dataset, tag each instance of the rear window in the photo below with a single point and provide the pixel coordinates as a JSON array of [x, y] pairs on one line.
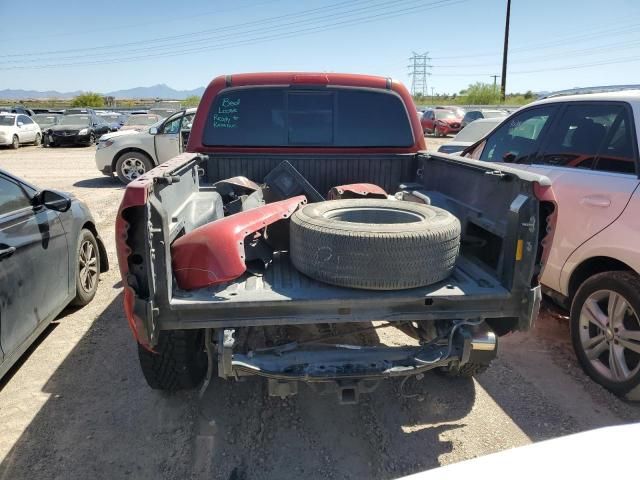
[[326, 117]]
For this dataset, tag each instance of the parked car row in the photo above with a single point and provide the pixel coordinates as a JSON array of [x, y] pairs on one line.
[[76, 126], [446, 120]]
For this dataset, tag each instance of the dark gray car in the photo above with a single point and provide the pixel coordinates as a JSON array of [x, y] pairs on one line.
[[50, 256]]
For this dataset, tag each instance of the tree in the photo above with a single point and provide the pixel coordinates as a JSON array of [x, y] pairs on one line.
[[88, 99], [191, 101], [482, 94]]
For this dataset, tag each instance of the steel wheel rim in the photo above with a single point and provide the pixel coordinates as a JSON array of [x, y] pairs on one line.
[[132, 168], [16, 142], [88, 266], [609, 330]]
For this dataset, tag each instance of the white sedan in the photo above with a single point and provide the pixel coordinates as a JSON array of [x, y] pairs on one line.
[[16, 129]]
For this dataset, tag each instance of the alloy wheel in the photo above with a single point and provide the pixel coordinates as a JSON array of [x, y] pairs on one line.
[[610, 335], [88, 265]]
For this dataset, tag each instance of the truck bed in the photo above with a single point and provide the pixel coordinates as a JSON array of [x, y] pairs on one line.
[[490, 279]]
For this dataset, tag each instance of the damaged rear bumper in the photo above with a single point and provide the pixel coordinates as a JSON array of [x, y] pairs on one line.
[[351, 369]]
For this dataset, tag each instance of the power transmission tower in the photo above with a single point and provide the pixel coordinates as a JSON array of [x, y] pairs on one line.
[[419, 71]]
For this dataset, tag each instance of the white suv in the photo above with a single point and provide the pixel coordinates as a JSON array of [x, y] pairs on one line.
[[588, 146]]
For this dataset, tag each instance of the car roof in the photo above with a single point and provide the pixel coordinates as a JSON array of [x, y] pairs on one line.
[[9, 114], [631, 96]]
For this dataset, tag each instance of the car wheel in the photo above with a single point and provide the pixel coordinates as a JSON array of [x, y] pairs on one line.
[[178, 361], [38, 140], [87, 268], [92, 139], [131, 165], [15, 143], [605, 331]]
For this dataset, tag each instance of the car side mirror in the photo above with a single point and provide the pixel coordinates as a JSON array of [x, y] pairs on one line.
[[54, 201], [509, 157], [20, 124], [153, 130]]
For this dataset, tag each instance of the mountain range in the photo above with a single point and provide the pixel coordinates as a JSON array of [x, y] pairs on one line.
[[155, 91]]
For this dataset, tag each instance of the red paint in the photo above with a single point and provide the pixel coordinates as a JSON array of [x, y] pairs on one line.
[[354, 190], [136, 194], [287, 78], [545, 193], [214, 253]]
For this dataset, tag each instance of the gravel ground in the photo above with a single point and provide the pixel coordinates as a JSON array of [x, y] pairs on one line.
[[76, 406]]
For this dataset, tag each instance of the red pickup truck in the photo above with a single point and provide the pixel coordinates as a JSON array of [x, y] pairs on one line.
[[305, 217]]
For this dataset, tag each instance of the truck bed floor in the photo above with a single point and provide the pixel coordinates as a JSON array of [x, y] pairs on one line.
[[283, 283]]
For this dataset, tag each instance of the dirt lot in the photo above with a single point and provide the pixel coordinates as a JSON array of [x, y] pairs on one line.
[[77, 406]]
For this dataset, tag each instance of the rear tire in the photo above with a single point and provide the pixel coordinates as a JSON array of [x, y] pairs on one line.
[[179, 361], [15, 143], [38, 140]]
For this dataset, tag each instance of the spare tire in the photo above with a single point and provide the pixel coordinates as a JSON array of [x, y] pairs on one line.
[[374, 244]]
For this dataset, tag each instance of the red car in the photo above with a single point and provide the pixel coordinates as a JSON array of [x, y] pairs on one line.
[[440, 122]]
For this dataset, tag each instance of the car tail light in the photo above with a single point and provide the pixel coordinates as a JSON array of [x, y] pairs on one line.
[[311, 79], [548, 217], [135, 196]]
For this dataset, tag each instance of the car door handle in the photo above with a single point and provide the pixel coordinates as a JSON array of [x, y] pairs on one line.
[[7, 252], [601, 201]]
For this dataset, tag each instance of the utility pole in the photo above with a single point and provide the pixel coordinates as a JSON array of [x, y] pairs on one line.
[[495, 78], [503, 80], [418, 70], [432, 95]]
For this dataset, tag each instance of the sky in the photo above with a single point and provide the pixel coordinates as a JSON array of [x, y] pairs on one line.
[[79, 45]]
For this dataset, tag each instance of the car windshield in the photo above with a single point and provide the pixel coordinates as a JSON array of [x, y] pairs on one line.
[[43, 119], [141, 120], [475, 131], [75, 120], [444, 114], [6, 120]]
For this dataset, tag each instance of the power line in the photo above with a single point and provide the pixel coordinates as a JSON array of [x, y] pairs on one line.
[[385, 5], [550, 69], [189, 34], [166, 21], [553, 44], [294, 33]]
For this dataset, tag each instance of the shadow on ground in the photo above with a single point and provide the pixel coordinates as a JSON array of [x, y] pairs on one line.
[[102, 421], [99, 182]]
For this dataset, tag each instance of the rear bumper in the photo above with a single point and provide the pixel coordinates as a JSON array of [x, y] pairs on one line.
[[353, 369], [59, 140]]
